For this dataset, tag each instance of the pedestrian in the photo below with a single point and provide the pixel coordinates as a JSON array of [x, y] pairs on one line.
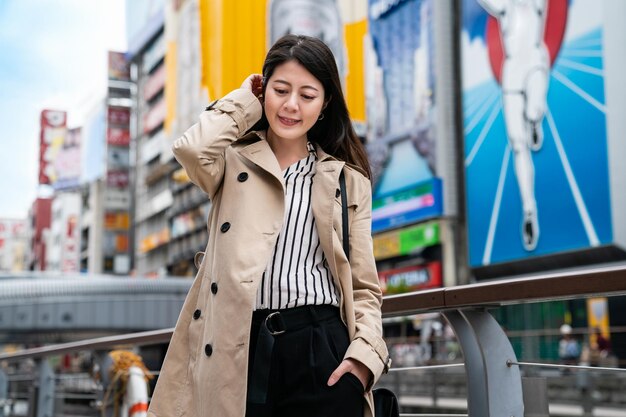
[[278, 321], [569, 348]]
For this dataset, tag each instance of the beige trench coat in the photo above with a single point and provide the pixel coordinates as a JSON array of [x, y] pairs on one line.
[[205, 368]]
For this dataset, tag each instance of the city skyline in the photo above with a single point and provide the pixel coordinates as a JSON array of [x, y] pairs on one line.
[[53, 55]]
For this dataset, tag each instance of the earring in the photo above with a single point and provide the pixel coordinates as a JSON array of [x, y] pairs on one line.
[[321, 116]]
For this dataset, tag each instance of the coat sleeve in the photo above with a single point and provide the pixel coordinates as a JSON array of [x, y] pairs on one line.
[[201, 148], [367, 345]]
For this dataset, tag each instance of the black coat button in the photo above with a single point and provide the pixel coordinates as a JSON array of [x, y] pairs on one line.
[[337, 193], [225, 227], [208, 350], [214, 288], [196, 314], [242, 177]]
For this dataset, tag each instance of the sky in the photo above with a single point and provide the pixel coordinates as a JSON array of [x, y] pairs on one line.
[[53, 55]]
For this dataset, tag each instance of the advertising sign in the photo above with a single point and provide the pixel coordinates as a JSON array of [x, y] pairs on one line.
[[535, 128], [411, 278], [119, 67], [71, 245], [13, 238], [118, 132], [406, 241], [400, 85], [317, 18], [67, 163], [118, 178], [118, 116], [116, 221], [407, 206], [598, 318], [51, 139], [118, 136], [116, 199]]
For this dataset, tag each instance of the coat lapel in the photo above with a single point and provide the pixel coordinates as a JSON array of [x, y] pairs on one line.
[[260, 153], [325, 185]]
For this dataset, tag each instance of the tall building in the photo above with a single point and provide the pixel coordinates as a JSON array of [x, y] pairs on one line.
[[190, 206], [147, 46], [63, 238], [106, 192], [170, 214], [117, 186]]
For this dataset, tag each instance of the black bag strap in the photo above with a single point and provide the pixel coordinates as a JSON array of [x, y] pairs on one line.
[[344, 215]]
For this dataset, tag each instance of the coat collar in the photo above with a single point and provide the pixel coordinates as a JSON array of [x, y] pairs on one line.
[[258, 151]]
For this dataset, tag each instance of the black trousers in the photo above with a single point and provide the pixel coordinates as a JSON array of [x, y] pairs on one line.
[[301, 361]]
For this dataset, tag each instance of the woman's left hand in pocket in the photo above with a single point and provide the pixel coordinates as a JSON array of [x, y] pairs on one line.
[[353, 366]]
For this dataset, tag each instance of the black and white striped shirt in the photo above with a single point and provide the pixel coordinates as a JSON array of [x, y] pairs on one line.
[[297, 273]]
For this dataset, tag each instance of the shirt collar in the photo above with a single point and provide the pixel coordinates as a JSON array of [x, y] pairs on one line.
[[311, 149]]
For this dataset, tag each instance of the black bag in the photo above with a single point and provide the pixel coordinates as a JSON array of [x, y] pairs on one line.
[[385, 401]]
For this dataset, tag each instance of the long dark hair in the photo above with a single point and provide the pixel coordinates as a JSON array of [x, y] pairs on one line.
[[334, 133]]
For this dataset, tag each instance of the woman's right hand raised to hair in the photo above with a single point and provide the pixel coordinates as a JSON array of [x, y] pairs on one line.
[[254, 83]]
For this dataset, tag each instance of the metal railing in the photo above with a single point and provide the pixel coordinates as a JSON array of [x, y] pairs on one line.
[[493, 380]]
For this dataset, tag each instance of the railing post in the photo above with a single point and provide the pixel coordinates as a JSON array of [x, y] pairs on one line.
[[535, 397], [45, 396], [4, 391], [494, 389]]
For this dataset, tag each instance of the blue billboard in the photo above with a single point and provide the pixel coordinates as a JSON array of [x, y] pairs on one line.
[[534, 114]]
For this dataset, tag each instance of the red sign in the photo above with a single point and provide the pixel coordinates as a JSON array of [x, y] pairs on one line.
[[118, 116], [118, 136], [411, 278], [117, 179]]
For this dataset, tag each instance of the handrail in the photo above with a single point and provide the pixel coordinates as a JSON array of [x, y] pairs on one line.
[[142, 338], [606, 280]]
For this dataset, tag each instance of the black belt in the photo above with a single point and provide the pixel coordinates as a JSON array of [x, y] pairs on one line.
[[273, 323]]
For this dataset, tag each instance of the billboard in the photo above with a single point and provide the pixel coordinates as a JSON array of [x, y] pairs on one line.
[[385, 53], [400, 87], [53, 127], [67, 163], [118, 178], [534, 115], [13, 244], [119, 67], [70, 256], [411, 278], [317, 18], [407, 241]]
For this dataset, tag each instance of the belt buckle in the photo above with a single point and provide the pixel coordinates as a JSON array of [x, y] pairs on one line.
[[270, 327]]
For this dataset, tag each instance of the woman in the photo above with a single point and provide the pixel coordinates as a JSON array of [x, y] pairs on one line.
[[278, 322]]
